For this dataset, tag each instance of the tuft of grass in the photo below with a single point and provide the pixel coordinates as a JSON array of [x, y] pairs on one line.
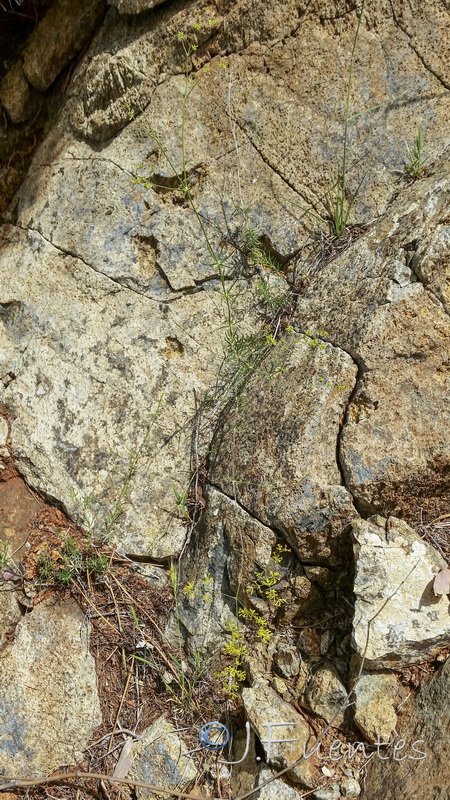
[[416, 163]]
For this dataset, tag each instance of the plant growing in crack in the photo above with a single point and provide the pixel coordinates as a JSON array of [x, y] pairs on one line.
[[416, 161]]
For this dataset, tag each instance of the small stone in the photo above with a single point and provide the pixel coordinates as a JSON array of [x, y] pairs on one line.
[[134, 6], [287, 660], [350, 788], [375, 705], [326, 695], [330, 793], [276, 790], [263, 706], [3, 431]]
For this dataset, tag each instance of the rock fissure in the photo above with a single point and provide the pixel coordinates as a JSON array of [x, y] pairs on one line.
[[275, 169], [72, 254], [429, 291], [415, 50], [342, 424]]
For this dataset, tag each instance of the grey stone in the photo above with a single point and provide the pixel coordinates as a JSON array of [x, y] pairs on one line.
[[349, 787], [3, 431], [160, 758], [49, 707], [263, 705], [398, 620], [277, 789], [326, 695], [134, 6], [287, 660], [375, 696]]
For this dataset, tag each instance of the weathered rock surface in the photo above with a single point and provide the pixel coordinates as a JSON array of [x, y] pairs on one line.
[[218, 566], [16, 94], [395, 443], [80, 198], [284, 458], [49, 706], [375, 701], [114, 374], [9, 608], [134, 6], [422, 771], [326, 695], [398, 620], [57, 38], [160, 758], [276, 790], [263, 705]]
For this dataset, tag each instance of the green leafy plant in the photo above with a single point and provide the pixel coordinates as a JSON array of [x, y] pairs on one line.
[[72, 559], [416, 163], [232, 675]]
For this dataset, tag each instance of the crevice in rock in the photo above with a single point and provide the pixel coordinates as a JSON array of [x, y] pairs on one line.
[[274, 169], [276, 531], [429, 291], [416, 51], [342, 424], [65, 252]]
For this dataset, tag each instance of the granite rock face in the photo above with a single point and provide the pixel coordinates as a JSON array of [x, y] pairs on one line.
[[423, 770], [398, 619], [395, 448], [284, 457], [49, 706], [136, 260]]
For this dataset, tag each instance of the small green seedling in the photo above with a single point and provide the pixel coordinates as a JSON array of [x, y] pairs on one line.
[[416, 164]]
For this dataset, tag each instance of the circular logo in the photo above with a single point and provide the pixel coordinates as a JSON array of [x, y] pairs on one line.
[[213, 736]]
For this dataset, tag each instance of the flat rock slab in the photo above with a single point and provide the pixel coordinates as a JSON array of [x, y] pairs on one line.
[[49, 707], [116, 375], [398, 620]]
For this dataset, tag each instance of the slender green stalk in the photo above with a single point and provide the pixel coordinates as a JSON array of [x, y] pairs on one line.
[[343, 206]]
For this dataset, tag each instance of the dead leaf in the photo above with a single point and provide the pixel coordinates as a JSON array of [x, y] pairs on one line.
[[441, 583]]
